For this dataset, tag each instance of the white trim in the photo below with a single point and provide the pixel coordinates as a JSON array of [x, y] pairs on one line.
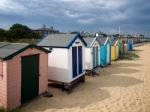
[[116, 43], [77, 60], [106, 40], [93, 42]]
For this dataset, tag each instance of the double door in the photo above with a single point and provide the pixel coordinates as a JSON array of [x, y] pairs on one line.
[[77, 64]]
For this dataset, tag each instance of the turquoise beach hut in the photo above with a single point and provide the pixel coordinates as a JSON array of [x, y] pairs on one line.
[[105, 53]]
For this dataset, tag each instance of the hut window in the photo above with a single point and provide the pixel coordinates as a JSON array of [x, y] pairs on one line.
[[77, 42]]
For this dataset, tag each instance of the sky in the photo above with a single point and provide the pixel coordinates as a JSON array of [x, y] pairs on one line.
[[133, 16]]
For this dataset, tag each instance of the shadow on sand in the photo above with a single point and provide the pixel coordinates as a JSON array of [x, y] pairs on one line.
[[110, 76]]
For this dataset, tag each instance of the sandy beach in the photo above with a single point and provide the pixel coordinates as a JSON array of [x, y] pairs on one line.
[[123, 86]]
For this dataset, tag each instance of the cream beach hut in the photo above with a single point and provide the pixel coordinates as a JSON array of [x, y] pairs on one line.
[[92, 53], [66, 62]]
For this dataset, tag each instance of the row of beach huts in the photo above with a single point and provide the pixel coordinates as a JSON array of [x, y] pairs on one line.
[[25, 70]]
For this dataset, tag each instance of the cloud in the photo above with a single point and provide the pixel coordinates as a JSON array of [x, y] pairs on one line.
[[86, 21], [131, 15], [8, 6], [71, 14]]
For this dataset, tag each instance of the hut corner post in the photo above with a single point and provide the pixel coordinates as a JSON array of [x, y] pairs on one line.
[[1, 73]]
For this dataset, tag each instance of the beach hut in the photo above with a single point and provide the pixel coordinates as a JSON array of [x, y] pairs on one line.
[[105, 51], [23, 73], [114, 49], [130, 44], [92, 53], [66, 62], [120, 44], [125, 46]]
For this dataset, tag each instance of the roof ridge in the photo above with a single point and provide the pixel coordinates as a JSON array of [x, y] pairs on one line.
[[20, 43], [4, 45]]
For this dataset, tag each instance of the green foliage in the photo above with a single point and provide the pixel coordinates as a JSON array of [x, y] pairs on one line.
[[74, 32], [16, 33], [20, 31]]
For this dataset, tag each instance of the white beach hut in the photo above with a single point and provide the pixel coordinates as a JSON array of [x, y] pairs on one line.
[[92, 53], [66, 62]]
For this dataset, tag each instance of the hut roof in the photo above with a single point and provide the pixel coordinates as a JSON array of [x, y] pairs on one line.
[[112, 40], [9, 50], [102, 40], [59, 40], [89, 41]]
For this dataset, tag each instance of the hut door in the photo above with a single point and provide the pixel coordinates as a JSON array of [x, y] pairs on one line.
[[77, 66], [29, 78], [74, 61], [80, 66], [95, 56], [108, 53]]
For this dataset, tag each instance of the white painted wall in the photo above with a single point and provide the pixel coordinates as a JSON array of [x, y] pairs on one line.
[[108, 53], [88, 59], [58, 65]]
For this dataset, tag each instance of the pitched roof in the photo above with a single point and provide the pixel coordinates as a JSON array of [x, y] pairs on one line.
[[89, 41], [58, 40], [102, 33], [102, 40], [9, 50], [3, 44], [112, 40]]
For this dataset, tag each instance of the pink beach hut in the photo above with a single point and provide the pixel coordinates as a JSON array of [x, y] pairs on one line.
[[23, 73]]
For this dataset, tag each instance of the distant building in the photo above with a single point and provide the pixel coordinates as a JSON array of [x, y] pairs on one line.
[[102, 34], [45, 31], [86, 34]]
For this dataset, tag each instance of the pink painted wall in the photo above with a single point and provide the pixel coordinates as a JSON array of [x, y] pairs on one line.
[[14, 76], [3, 83]]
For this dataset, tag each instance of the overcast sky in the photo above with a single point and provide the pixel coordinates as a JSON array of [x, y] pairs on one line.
[[133, 16]]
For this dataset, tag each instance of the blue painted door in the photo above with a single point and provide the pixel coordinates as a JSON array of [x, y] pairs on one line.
[[94, 55], [74, 61], [80, 66], [97, 56], [77, 65]]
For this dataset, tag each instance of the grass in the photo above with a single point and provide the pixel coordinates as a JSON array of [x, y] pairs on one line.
[[129, 56], [15, 110], [2, 109]]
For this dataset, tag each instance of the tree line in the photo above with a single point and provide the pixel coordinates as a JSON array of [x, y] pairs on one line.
[[17, 32]]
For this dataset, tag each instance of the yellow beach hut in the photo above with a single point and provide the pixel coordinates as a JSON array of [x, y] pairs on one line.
[[114, 49]]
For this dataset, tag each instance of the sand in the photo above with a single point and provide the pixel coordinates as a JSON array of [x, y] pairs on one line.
[[123, 86]]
